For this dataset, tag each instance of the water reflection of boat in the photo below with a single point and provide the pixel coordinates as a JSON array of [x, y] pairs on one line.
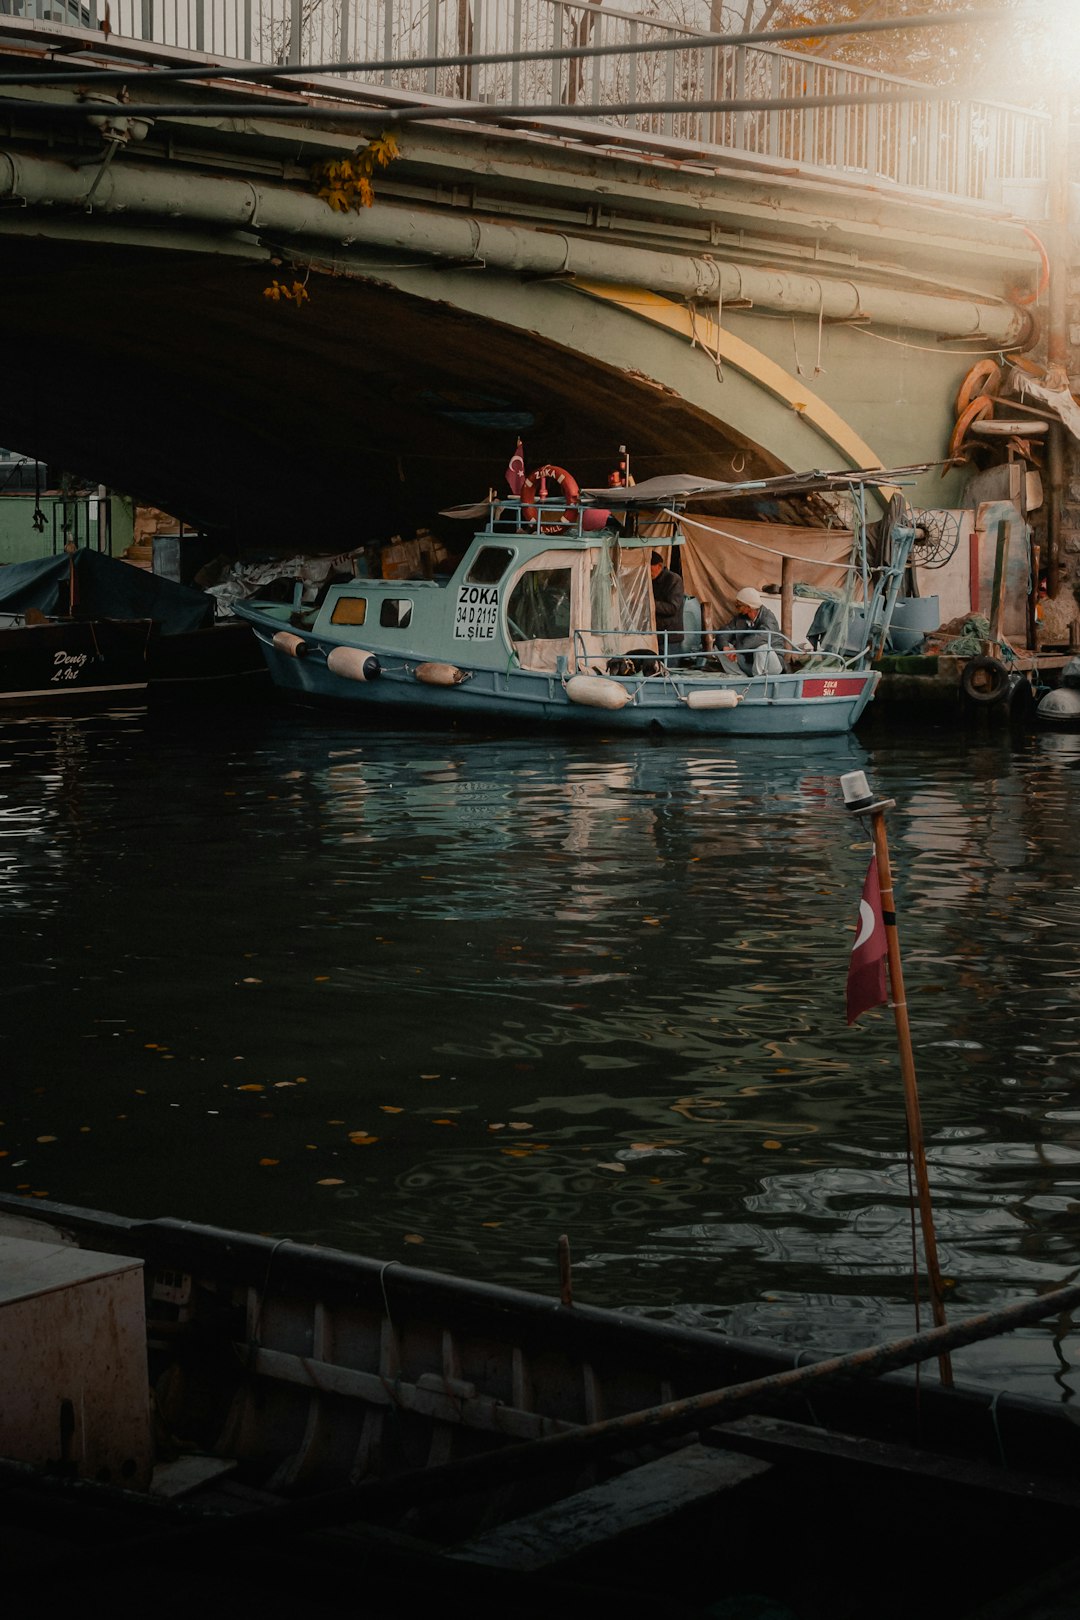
[[90, 627], [549, 618], [460, 1430]]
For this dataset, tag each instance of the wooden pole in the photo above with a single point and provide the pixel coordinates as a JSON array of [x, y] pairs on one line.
[[787, 596], [997, 600], [907, 1070]]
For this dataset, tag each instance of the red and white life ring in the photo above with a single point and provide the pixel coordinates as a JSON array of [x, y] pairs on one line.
[[570, 491]]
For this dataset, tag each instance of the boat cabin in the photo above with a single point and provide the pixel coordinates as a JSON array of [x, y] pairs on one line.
[[548, 601]]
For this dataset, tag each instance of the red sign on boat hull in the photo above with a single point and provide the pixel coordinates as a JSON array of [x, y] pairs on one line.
[[833, 687]]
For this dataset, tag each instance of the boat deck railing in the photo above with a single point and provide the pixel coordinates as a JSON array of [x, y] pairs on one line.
[[685, 652]]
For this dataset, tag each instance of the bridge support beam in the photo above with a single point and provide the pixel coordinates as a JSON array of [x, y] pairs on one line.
[[286, 215]]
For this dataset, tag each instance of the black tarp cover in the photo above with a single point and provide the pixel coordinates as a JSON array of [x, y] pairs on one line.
[[105, 588]]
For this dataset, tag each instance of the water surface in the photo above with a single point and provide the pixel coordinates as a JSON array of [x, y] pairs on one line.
[[442, 998]]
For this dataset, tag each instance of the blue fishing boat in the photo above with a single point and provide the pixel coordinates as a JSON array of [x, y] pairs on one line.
[[548, 618]]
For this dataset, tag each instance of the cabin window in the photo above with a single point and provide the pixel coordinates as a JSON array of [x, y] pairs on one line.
[[489, 565], [349, 610], [396, 613], [539, 606]]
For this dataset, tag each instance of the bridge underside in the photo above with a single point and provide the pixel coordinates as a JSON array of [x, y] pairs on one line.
[[357, 413], [353, 416]]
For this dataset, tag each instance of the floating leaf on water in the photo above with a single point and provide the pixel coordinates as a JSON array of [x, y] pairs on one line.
[[252, 981], [5, 1153], [41, 1194], [269, 1161], [521, 1125], [496, 1127], [413, 1237], [362, 1138], [252, 1085], [330, 1181], [619, 1169], [653, 922], [516, 1153], [491, 1223], [632, 1154], [335, 1122], [444, 1122], [388, 1108], [46, 1138], [431, 1077], [279, 1084], [771, 1142], [321, 978]]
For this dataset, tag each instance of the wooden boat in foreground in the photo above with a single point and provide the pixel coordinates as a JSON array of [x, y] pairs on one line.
[[278, 1413]]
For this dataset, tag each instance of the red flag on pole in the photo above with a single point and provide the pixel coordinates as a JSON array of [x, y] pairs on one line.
[[866, 972], [515, 473]]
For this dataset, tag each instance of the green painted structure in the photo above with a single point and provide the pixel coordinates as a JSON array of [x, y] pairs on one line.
[[22, 541]]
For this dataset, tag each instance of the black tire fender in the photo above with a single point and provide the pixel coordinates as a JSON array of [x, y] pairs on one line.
[[984, 680]]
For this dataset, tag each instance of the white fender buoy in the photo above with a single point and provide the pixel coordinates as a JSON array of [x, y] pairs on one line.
[[286, 642], [713, 698], [596, 692], [354, 664], [1062, 705], [441, 674]]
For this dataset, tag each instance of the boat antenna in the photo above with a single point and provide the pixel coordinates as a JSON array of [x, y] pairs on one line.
[[859, 800]]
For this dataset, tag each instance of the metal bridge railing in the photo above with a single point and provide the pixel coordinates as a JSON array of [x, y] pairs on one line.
[[967, 149]]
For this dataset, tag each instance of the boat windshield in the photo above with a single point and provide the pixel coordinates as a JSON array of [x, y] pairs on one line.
[[539, 607]]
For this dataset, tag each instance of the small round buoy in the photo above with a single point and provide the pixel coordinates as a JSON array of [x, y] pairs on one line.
[[286, 642], [596, 692], [354, 664], [440, 674], [1061, 706]]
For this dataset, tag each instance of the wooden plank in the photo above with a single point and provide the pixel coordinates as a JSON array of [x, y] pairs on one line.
[[775, 1440], [646, 1496]]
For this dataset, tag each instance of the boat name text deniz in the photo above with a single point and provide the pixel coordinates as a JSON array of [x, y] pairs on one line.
[[477, 612], [68, 665]]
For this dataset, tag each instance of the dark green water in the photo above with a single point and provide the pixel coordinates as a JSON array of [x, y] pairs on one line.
[[592, 987]]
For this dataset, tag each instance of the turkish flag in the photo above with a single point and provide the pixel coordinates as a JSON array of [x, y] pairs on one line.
[[866, 972], [515, 473]]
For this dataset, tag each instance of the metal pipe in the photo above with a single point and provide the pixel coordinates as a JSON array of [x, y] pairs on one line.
[[276, 215]]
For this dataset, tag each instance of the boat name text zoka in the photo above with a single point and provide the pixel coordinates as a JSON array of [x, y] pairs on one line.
[[477, 612]]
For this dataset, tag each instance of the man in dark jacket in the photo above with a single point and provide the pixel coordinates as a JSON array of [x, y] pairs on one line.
[[669, 598], [748, 638]]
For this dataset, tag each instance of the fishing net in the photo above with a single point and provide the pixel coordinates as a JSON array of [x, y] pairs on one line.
[[620, 592]]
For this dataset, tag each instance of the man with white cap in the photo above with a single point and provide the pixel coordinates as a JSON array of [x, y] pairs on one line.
[[747, 639]]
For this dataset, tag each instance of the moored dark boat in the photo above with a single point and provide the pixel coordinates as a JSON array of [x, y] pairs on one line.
[[468, 1434], [90, 628]]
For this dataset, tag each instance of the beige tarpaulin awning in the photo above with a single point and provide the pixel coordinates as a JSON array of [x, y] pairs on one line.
[[720, 555]]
